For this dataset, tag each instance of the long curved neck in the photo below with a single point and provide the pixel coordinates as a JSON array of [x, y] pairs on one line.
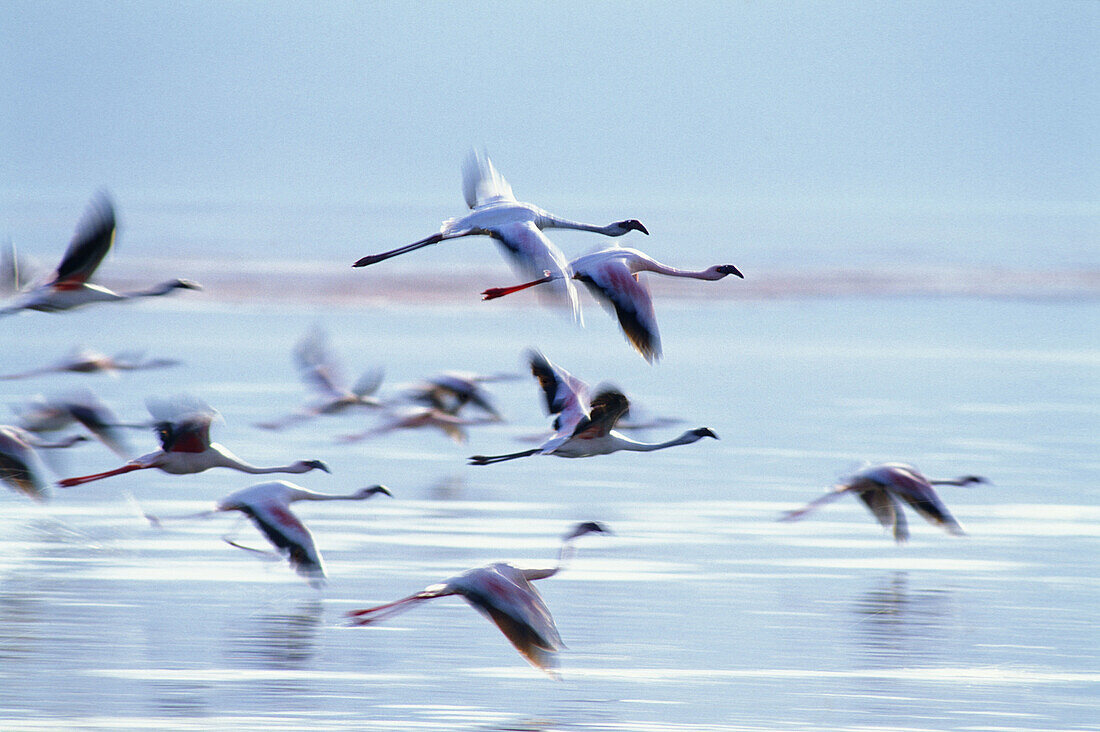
[[628, 444], [652, 265], [549, 221], [226, 459]]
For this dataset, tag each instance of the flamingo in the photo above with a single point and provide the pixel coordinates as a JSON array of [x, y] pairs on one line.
[[183, 428], [517, 227], [881, 486], [583, 428], [450, 391], [88, 361], [69, 287], [420, 417], [20, 466], [83, 407], [267, 506], [611, 275], [503, 593], [320, 372]]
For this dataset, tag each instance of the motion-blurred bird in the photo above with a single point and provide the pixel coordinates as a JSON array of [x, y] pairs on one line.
[[321, 373], [412, 418], [611, 275], [20, 466], [87, 361], [451, 391], [79, 407], [68, 287], [183, 426], [267, 506], [515, 226], [881, 486], [503, 593], [583, 428]]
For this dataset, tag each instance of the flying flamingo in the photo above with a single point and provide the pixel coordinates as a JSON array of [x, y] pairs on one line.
[[503, 593], [412, 418], [583, 428], [82, 407], [183, 428], [69, 287], [20, 466], [611, 275], [87, 361], [320, 372], [267, 506], [517, 227], [450, 391], [881, 486]]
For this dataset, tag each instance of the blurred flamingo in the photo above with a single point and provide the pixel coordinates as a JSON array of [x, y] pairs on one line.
[[611, 275], [503, 593], [183, 428], [68, 287], [881, 486], [583, 428], [20, 467]]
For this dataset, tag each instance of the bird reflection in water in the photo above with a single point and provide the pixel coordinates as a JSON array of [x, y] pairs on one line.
[[896, 625], [276, 640]]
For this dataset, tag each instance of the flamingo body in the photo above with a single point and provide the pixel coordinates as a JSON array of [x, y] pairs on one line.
[[883, 489], [183, 427], [267, 506], [69, 286], [584, 428], [503, 593], [611, 275]]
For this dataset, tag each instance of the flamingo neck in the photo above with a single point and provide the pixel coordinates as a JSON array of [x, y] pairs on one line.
[[663, 269], [549, 221], [625, 443], [226, 459]]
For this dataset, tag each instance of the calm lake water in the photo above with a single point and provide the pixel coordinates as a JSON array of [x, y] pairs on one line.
[[702, 612]]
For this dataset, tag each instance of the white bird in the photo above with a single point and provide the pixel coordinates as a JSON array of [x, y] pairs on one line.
[[321, 373], [267, 506], [80, 407], [517, 227], [503, 593], [583, 428], [611, 275], [20, 466], [87, 361], [881, 486], [68, 287], [183, 428]]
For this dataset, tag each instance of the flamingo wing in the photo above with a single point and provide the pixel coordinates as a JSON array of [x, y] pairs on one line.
[[182, 423], [289, 535], [98, 419], [93, 238], [502, 594], [607, 408], [884, 508], [16, 466], [316, 367], [533, 256], [615, 287], [918, 493], [482, 183]]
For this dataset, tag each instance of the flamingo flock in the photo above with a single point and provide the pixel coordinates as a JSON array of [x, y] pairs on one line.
[[583, 424]]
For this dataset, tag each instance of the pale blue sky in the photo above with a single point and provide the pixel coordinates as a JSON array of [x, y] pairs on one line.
[[912, 106]]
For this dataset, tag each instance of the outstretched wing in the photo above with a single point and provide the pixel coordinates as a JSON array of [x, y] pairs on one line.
[[182, 423], [612, 284], [607, 408], [482, 183], [93, 238], [532, 255], [884, 508], [316, 366], [290, 536], [918, 493], [565, 395]]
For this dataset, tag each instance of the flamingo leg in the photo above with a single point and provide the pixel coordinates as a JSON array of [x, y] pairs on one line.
[[374, 258], [494, 292], [80, 480], [489, 459], [381, 612], [812, 505]]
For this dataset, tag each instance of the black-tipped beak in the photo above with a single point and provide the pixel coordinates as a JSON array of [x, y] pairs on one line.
[[320, 466], [641, 227], [729, 269], [382, 489]]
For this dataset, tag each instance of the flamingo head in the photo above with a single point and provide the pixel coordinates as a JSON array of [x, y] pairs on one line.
[[968, 479], [727, 269], [307, 465], [363, 493], [704, 432], [622, 227], [185, 285], [587, 527]]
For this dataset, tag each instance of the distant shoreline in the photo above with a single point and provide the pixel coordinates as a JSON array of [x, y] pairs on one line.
[[295, 282]]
